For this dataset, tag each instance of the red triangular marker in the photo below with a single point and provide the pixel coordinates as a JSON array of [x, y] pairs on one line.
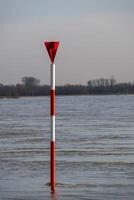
[[52, 49]]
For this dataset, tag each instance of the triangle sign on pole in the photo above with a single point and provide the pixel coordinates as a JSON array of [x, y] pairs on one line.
[[52, 49]]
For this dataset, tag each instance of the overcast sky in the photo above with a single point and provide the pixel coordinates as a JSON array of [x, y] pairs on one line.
[[96, 39]]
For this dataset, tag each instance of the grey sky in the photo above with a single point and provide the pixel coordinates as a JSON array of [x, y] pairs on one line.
[[96, 36]]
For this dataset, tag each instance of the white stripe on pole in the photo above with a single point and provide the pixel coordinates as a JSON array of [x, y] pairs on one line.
[[52, 78]]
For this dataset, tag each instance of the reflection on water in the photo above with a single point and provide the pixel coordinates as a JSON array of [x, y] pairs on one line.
[[94, 148], [54, 196]]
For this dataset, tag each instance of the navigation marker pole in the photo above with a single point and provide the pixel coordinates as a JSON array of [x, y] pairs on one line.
[[52, 49]]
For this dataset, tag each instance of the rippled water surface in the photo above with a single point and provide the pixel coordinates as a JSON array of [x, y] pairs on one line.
[[95, 148]]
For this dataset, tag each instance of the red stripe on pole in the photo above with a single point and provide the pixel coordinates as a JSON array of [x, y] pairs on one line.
[[53, 102], [53, 175]]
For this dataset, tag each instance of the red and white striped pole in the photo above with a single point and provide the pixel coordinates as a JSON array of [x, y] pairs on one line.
[[52, 48], [53, 175]]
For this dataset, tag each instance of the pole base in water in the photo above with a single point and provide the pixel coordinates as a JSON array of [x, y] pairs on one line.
[[53, 174]]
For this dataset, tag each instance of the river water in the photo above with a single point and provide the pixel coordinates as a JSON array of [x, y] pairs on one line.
[[94, 142]]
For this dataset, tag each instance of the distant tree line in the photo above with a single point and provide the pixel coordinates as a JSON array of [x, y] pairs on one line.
[[30, 86], [109, 86]]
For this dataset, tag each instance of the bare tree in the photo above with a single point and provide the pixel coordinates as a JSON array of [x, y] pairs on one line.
[[30, 81]]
